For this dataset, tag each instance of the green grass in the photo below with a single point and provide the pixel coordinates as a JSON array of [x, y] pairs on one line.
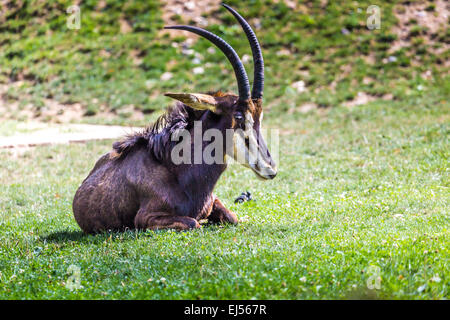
[[100, 67], [356, 188]]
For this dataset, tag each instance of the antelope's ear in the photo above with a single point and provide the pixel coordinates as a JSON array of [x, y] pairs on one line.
[[196, 100]]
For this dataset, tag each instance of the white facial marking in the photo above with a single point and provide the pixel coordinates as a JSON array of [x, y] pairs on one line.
[[249, 154], [248, 124]]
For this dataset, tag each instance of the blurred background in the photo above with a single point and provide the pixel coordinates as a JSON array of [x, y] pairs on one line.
[[116, 66]]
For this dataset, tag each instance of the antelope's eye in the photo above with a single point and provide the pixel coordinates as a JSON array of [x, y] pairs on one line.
[[239, 117]]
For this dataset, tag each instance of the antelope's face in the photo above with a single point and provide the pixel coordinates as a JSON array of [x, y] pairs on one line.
[[249, 146], [242, 113]]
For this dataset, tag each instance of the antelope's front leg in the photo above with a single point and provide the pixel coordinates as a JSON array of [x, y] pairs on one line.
[[220, 214], [163, 220]]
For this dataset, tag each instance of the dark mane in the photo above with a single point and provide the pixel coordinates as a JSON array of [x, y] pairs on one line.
[[157, 136]]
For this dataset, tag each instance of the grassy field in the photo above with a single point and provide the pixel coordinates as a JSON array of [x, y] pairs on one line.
[[356, 188], [326, 44], [362, 193]]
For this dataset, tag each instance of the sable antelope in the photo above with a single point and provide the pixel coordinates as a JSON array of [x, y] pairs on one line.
[[138, 186]]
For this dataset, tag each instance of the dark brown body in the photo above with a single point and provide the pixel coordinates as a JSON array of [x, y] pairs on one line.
[[131, 187], [138, 186]]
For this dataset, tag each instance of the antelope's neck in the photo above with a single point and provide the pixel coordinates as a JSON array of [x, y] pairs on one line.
[[198, 182], [201, 179]]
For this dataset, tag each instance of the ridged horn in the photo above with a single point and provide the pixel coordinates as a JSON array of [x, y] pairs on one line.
[[239, 70], [258, 72]]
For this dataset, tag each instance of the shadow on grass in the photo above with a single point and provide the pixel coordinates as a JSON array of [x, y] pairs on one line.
[[80, 236], [65, 236]]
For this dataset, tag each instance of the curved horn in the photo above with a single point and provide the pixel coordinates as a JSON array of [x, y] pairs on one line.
[[239, 70], [258, 75]]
